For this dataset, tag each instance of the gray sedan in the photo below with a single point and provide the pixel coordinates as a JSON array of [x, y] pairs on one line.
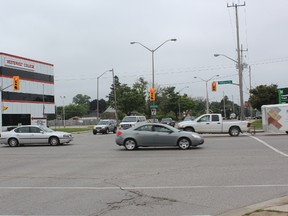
[[158, 135], [34, 134]]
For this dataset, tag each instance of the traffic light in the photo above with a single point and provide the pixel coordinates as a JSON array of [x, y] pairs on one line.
[[16, 83], [214, 86], [152, 94]]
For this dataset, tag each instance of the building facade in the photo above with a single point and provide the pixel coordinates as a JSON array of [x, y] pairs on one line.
[[34, 99]]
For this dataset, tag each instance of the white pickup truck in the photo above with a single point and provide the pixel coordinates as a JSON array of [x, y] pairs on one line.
[[213, 123]]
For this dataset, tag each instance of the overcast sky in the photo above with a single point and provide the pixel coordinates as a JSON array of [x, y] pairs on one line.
[[85, 38]]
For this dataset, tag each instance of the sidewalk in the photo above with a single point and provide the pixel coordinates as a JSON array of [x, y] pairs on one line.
[[275, 207]]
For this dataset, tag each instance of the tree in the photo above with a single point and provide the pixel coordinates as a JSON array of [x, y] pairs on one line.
[[102, 105], [80, 99], [129, 99], [74, 110], [168, 102], [262, 95]]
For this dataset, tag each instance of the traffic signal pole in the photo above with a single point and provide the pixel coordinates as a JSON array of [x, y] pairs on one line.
[[1, 104]]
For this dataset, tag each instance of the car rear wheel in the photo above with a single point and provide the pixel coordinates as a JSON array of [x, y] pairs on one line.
[[114, 130], [184, 143], [130, 144], [54, 141], [234, 131], [13, 142]]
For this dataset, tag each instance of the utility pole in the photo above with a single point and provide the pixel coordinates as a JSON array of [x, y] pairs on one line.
[[114, 92], [250, 87], [224, 106], [242, 117]]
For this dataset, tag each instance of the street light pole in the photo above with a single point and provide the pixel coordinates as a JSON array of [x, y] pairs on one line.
[[152, 52], [98, 93], [114, 91], [207, 98], [180, 100], [240, 74], [63, 108]]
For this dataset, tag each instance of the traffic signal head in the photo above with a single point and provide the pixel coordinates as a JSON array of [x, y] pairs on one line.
[[152, 94], [214, 86], [16, 83]]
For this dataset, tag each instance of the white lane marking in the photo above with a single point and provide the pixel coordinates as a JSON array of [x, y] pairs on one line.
[[142, 188], [269, 146]]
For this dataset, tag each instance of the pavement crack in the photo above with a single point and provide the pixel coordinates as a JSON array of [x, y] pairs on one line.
[[134, 198]]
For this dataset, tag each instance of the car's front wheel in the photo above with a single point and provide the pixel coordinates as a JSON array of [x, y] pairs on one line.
[[184, 143], [13, 142], [130, 144], [54, 141], [94, 132]]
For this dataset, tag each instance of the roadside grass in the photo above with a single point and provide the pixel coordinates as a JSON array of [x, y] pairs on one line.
[[257, 124]]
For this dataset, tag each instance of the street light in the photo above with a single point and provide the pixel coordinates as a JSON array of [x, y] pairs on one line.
[[240, 73], [152, 52], [114, 84], [206, 81], [180, 100], [98, 90], [63, 112]]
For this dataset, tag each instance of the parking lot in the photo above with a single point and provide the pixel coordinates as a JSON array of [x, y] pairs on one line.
[[94, 176]]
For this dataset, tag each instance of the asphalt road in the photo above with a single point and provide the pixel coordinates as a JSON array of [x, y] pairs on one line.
[[93, 176]]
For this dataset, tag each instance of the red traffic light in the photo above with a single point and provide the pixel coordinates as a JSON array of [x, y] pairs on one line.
[[214, 86]]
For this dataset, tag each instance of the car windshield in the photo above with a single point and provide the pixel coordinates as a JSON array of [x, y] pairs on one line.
[[46, 129], [129, 119], [102, 122]]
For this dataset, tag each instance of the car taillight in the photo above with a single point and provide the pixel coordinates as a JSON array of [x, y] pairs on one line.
[[119, 133], [248, 124]]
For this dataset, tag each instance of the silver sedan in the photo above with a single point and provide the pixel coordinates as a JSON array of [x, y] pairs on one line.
[[34, 134], [157, 135]]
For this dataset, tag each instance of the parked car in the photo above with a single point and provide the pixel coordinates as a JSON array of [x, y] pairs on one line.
[[34, 134], [130, 121], [158, 135], [105, 126], [213, 123], [168, 121]]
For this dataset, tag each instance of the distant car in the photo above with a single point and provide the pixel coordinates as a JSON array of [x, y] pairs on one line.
[[130, 121], [157, 135], [34, 134], [105, 126], [153, 120], [168, 121]]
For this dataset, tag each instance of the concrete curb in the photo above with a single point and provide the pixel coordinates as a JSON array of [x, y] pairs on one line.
[[279, 204]]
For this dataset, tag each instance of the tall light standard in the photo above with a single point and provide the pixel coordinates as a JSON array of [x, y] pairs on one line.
[[240, 73], [63, 112], [98, 92], [207, 98], [152, 52], [114, 92], [180, 100]]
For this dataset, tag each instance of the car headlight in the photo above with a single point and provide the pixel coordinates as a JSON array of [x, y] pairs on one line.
[[197, 136]]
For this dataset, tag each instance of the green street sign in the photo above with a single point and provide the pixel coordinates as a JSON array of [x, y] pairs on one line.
[[225, 82], [282, 95], [153, 106]]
